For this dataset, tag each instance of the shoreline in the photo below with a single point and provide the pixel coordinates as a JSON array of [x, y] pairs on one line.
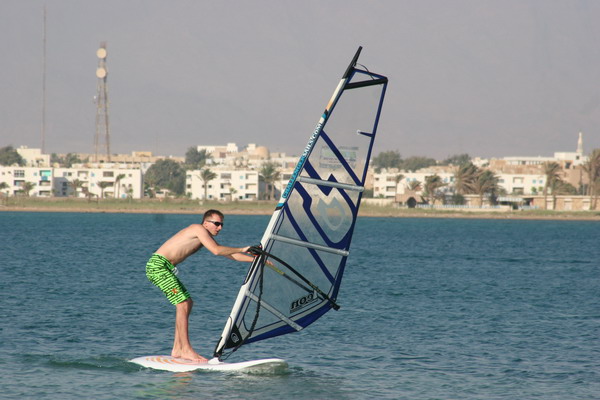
[[381, 212]]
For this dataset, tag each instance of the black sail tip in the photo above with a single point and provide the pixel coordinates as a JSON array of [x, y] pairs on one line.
[[352, 63]]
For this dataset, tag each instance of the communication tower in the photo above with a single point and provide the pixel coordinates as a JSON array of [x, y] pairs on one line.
[[44, 85], [101, 100]]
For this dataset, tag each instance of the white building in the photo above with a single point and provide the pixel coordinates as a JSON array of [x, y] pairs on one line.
[[538, 160], [229, 184], [219, 151], [567, 158], [16, 179], [34, 157], [517, 175], [59, 182], [98, 182], [522, 184], [251, 157], [384, 183], [519, 184]]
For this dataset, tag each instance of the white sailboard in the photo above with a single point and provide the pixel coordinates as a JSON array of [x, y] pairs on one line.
[[307, 240], [168, 363]]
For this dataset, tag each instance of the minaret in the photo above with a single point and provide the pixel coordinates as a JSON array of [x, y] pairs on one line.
[[579, 157]]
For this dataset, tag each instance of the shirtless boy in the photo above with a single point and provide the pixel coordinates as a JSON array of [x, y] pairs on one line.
[[160, 271]]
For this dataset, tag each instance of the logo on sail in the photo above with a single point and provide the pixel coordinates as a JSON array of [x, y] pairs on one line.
[[303, 157], [302, 302]]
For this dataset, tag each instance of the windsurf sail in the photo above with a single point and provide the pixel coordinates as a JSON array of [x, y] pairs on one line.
[[297, 273]]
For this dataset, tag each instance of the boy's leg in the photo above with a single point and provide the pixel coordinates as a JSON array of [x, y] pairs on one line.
[[182, 347]]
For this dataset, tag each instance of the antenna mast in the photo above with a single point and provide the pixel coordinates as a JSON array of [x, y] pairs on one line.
[[102, 126], [44, 84]]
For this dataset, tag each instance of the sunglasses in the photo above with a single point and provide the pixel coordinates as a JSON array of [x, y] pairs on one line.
[[216, 223]]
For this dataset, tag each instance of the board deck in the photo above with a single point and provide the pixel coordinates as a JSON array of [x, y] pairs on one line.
[[168, 363]]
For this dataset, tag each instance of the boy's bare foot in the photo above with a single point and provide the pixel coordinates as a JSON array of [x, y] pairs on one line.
[[192, 356]]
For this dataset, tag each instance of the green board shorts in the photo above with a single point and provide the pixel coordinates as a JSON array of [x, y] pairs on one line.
[[160, 272]]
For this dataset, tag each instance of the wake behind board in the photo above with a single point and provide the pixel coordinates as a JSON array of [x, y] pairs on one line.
[[168, 363]]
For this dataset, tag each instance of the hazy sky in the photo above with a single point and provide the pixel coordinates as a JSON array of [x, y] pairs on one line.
[[488, 78]]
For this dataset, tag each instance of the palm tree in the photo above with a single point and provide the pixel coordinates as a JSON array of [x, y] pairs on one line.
[[103, 185], [270, 174], [592, 168], [87, 193], [552, 171], [118, 184], [206, 175], [486, 183], [75, 185], [27, 187], [465, 178], [432, 184], [233, 191], [397, 179], [3, 186], [414, 186]]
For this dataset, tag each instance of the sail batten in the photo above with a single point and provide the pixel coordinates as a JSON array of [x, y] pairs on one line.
[[366, 83], [274, 311], [338, 185], [296, 277], [309, 245]]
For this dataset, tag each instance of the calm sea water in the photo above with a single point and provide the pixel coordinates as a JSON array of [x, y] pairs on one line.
[[431, 309]]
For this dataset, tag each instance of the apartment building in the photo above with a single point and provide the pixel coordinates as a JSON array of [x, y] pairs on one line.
[[33, 180], [522, 184], [228, 184], [520, 176], [384, 182], [71, 182], [252, 156], [98, 182], [513, 183]]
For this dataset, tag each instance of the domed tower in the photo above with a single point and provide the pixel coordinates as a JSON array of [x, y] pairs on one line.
[[262, 152]]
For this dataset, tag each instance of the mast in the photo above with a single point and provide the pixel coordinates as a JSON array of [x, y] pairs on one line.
[[44, 83]]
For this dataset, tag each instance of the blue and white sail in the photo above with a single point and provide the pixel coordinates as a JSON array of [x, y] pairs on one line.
[[297, 276]]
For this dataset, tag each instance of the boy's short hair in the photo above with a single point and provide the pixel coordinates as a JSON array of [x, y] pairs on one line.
[[210, 213]]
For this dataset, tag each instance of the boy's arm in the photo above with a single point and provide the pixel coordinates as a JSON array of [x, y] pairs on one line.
[[241, 257], [207, 241], [246, 258]]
